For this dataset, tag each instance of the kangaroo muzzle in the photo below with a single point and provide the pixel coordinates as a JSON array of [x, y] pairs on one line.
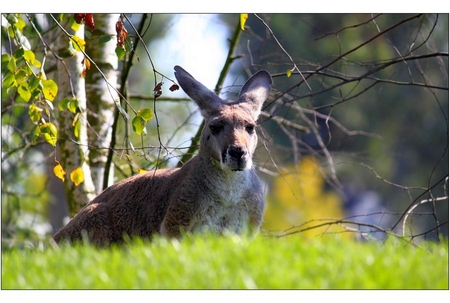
[[236, 158]]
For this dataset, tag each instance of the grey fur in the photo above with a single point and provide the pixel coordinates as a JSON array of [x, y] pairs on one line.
[[217, 190]]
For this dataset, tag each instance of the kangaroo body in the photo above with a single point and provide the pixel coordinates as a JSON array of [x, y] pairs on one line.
[[217, 190]]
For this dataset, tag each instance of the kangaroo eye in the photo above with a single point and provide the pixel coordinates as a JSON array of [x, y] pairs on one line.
[[215, 129], [250, 129]]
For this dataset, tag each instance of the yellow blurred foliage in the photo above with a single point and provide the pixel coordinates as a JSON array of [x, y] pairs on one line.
[[297, 196]]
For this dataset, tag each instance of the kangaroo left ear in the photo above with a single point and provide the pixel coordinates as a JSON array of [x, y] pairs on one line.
[[206, 99], [256, 90]]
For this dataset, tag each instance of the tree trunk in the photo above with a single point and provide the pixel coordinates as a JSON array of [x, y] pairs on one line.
[[101, 95], [74, 152]]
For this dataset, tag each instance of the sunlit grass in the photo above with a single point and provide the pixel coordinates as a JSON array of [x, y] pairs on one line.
[[202, 262]]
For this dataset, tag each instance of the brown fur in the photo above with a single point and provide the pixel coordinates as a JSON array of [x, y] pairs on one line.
[[217, 190]]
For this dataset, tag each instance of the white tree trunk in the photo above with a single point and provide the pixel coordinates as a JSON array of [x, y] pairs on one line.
[[73, 154], [101, 95]]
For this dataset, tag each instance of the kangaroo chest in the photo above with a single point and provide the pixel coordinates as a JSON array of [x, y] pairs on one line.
[[224, 208]]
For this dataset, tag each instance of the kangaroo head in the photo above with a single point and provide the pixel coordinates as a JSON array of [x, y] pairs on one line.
[[229, 136]]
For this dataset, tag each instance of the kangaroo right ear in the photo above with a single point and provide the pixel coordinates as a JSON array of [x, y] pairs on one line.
[[256, 90], [206, 99]]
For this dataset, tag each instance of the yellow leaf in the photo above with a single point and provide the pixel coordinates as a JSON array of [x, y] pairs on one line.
[[78, 43], [50, 89], [77, 176], [288, 73], [142, 171], [59, 172], [243, 18]]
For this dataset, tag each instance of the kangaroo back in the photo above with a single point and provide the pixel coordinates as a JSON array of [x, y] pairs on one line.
[[217, 190]]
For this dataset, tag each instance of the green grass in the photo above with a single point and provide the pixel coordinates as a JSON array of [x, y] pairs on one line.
[[199, 262]]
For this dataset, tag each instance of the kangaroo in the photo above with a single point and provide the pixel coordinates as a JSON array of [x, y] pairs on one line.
[[217, 190]]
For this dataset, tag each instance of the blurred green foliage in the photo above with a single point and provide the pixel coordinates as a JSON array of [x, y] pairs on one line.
[[384, 80]]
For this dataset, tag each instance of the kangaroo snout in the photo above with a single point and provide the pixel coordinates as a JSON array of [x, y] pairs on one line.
[[236, 158]]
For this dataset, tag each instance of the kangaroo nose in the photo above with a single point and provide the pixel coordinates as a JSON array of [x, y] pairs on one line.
[[236, 152]]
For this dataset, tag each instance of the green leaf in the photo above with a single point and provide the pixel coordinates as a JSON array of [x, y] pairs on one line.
[[9, 81], [7, 65], [34, 85], [18, 53], [128, 44], [104, 39], [138, 124], [76, 125], [145, 113], [21, 76], [12, 19], [50, 133], [35, 134], [73, 105], [120, 53], [24, 92], [35, 113], [50, 89], [31, 58], [63, 104]]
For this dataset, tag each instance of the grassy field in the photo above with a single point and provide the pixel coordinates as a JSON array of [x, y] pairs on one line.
[[201, 262]]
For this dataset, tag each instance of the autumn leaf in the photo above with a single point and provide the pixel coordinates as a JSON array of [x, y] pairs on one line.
[[89, 20], [243, 18], [86, 64], [145, 113], [50, 89], [158, 87], [288, 73], [79, 18], [174, 87], [59, 171], [78, 44], [77, 176], [121, 34]]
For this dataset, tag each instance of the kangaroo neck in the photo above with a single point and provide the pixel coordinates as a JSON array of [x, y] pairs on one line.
[[210, 168]]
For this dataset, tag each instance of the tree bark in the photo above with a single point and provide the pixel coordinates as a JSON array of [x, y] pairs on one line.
[[74, 152], [101, 95]]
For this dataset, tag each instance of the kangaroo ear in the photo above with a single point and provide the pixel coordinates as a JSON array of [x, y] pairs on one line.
[[256, 90], [207, 100]]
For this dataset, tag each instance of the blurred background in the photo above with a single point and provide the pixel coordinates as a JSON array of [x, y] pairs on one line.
[[353, 139]]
